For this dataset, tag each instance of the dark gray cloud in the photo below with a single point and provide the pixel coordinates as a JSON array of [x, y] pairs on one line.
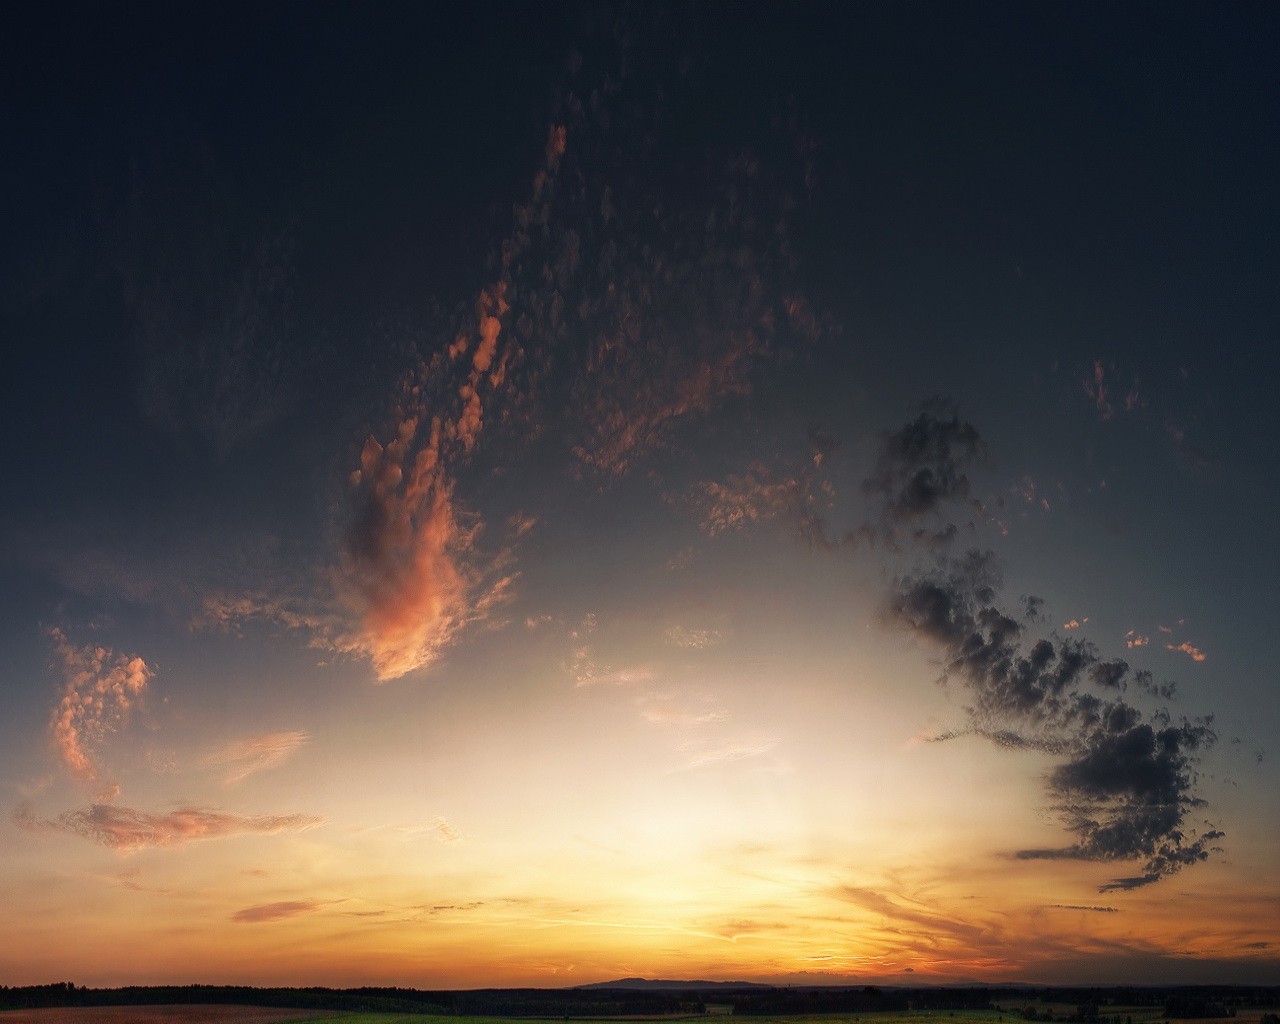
[[921, 468], [1124, 781]]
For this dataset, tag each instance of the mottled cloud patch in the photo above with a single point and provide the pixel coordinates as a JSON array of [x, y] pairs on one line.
[[697, 639], [748, 499], [1133, 639], [921, 468], [224, 612], [127, 829], [1124, 782], [798, 499], [603, 280], [1109, 392], [241, 758], [275, 911], [99, 689], [1190, 650]]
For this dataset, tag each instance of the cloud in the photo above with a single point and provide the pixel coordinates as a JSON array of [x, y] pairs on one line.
[[921, 468], [752, 498], [223, 612], [404, 573], [100, 687], [127, 829], [1072, 906], [444, 832], [732, 750], [1101, 392], [635, 319], [276, 911], [696, 639], [1123, 783], [672, 709], [242, 758], [759, 496], [1194, 653]]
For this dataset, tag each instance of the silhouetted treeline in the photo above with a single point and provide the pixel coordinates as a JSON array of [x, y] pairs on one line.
[[1184, 1002], [367, 999], [475, 1003]]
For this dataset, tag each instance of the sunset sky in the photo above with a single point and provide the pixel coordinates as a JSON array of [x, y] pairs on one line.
[[541, 494]]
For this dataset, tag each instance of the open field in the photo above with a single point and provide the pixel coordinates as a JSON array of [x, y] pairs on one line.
[[209, 1014]]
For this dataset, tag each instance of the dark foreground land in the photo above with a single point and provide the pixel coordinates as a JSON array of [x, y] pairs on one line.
[[189, 1014], [211, 1004]]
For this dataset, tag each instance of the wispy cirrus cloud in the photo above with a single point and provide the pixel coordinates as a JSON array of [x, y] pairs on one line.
[[737, 749], [276, 911], [241, 758], [444, 832], [1074, 906], [127, 829], [683, 710], [100, 687]]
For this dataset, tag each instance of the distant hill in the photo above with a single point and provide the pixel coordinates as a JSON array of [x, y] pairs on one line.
[[682, 986]]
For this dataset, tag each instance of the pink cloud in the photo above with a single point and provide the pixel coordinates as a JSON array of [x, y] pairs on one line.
[[100, 687], [127, 829]]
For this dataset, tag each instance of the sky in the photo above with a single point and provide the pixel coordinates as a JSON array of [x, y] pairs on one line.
[[541, 494]]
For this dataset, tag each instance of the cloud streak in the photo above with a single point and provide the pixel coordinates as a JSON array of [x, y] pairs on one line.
[[275, 911], [242, 758], [128, 830]]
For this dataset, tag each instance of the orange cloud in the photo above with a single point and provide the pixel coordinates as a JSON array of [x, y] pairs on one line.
[[241, 758], [1194, 653], [99, 689], [403, 573], [1133, 639], [127, 829]]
